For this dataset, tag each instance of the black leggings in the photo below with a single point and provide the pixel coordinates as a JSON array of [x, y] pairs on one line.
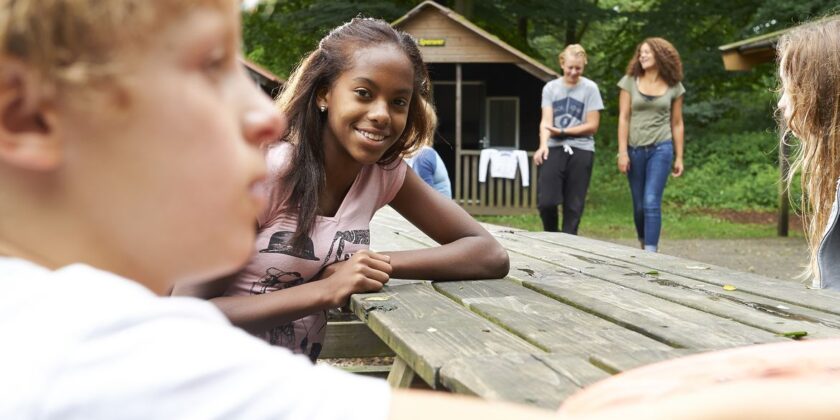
[[564, 179]]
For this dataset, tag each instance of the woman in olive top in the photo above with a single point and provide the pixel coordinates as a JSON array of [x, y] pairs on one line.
[[650, 132]]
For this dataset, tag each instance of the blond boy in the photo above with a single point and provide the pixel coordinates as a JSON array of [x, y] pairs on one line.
[[129, 154]]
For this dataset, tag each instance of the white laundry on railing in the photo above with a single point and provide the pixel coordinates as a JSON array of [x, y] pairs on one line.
[[503, 164]]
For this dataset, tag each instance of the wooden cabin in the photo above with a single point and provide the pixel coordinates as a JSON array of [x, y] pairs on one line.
[[487, 95], [266, 80]]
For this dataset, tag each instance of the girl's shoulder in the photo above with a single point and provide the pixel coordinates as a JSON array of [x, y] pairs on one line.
[[627, 83], [380, 183], [278, 157], [677, 90]]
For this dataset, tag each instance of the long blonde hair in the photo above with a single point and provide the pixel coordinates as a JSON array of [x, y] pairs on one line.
[[809, 68]]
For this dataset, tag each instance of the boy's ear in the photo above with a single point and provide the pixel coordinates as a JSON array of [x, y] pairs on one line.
[[28, 137]]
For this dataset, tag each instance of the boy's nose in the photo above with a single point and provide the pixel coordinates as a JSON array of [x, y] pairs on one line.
[[264, 125]]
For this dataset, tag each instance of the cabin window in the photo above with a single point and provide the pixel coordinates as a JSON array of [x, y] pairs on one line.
[[503, 122]]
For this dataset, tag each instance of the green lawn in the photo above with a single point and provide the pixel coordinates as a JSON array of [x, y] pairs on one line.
[[724, 171], [608, 214]]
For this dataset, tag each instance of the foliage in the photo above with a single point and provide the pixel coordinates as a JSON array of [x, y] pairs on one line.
[[730, 145]]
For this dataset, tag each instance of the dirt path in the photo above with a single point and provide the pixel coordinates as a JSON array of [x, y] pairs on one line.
[[781, 258]]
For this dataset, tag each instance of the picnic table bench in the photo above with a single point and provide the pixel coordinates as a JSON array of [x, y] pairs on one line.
[[573, 311]]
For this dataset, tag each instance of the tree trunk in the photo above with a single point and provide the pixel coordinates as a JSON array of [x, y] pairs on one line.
[[464, 8], [522, 27], [571, 31]]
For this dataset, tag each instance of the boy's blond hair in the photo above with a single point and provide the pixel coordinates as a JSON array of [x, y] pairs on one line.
[[72, 42], [572, 50]]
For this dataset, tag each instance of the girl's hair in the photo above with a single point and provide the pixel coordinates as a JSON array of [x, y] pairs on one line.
[[809, 68], [667, 61], [431, 121], [318, 71], [73, 43], [572, 50]]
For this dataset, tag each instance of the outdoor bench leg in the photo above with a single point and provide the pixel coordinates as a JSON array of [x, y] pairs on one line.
[[401, 374]]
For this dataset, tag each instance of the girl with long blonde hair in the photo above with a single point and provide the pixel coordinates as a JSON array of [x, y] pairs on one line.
[[809, 108]]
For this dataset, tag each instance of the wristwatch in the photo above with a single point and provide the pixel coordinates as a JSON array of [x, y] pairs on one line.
[[562, 131]]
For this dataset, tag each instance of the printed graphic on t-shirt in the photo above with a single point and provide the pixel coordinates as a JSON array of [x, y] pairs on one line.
[[304, 335], [276, 279], [356, 237], [281, 243], [567, 112]]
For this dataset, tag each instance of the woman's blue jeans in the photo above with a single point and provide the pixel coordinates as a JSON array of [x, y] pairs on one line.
[[649, 169]]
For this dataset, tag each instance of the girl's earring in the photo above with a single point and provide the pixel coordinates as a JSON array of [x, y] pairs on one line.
[[323, 108]]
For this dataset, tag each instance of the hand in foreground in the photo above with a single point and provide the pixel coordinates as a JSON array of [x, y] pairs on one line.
[[366, 271]]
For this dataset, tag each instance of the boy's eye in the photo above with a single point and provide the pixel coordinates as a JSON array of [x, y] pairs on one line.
[[218, 60]]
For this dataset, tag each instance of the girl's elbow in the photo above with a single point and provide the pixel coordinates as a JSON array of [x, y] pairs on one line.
[[498, 261]]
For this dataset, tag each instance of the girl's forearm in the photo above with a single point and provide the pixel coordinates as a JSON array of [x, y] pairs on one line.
[[469, 258], [259, 313], [678, 133], [623, 131]]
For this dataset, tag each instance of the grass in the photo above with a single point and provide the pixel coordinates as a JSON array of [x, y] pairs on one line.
[[608, 215], [733, 172]]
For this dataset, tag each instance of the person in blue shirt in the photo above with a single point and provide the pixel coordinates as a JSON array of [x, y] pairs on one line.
[[427, 163]]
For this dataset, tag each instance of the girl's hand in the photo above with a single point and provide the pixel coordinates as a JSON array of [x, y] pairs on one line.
[[540, 155], [623, 163], [678, 168], [365, 271]]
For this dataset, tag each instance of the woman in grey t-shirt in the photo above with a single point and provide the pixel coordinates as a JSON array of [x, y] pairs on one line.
[[650, 132]]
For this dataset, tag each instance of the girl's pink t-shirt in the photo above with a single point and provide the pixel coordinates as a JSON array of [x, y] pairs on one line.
[[275, 265]]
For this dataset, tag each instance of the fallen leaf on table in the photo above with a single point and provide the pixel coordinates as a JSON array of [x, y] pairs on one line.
[[729, 287], [652, 273], [796, 335]]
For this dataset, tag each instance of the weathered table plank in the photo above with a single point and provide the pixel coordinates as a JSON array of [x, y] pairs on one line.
[[790, 292], [544, 322], [426, 329], [663, 320], [620, 361], [572, 311], [768, 314], [520, 377]]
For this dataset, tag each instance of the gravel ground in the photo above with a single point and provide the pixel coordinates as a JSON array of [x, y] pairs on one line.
[[781, 258]]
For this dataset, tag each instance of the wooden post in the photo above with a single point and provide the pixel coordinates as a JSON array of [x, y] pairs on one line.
[[458, 125], [401, 374], [784, 194]]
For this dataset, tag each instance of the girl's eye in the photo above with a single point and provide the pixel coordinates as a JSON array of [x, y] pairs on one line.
[[401, 102], [364, 93]]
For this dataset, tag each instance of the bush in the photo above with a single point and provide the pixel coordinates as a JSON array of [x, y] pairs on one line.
[[736, 171]]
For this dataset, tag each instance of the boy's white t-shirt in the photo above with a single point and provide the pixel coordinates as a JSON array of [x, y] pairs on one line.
[[83, 343]]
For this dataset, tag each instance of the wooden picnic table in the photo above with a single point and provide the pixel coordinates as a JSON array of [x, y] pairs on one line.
[[573, 311]]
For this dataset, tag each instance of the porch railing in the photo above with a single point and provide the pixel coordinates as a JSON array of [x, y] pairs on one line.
[[496, 196]]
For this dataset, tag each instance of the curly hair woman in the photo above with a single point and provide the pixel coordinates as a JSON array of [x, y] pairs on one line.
[[650, 132]]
